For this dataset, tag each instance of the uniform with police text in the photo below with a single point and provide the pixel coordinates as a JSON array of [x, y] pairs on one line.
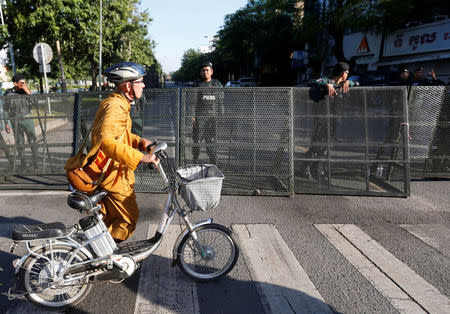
[[209, 105]]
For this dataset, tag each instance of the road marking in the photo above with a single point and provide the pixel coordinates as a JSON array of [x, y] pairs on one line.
[[406, 291], [163, 288], [32, 193], [436, 236], [282, 283]]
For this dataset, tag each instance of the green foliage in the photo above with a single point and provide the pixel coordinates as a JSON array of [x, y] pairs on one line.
[[190, 66], [76, 24], [260, 35]]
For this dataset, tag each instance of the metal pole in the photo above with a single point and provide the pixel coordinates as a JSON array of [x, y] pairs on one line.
[[45, 78], [100, 51], [1, 14]]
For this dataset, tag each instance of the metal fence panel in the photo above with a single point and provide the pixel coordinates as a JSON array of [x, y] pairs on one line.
[[247, 132], [430, 131], [357, 142], [37, 146], [353, 143], [156, 118]]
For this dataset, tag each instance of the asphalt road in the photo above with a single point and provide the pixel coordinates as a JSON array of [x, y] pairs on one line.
[[343, 288]]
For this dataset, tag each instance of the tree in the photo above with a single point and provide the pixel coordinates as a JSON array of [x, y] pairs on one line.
[[259, 39], [190, 66], [76, 24]]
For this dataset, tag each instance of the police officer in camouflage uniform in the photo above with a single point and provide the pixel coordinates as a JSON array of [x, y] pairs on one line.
[[334, 87], [3, 145], [208, 107], [17, 110]]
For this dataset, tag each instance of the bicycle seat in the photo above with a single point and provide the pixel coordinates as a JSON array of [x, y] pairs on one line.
[[83, 202], [43, 231]]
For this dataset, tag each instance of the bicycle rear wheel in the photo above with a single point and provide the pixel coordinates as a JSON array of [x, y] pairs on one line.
[[36, 277], [221, 253]]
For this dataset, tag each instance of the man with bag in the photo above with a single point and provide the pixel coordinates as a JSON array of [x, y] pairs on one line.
[[111, 139]]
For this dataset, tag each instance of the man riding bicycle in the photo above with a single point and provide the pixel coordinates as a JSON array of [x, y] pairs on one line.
[[112, 138]]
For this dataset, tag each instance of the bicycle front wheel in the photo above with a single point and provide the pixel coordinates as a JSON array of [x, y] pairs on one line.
[[211, 257]]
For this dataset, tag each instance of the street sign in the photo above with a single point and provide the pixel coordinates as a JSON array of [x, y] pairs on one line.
[[42, 53], [47, 68]]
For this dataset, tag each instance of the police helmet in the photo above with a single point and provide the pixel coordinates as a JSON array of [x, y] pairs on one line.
[[206, 64], [124, 71]]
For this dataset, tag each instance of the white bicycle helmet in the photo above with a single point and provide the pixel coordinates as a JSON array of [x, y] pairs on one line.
[[124, 71]]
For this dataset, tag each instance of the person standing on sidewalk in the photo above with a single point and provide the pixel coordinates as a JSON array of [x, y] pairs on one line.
[[17, 110], [111, 138], [208, 107]]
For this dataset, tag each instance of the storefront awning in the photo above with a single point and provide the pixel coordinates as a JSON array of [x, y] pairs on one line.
[[433, 56]]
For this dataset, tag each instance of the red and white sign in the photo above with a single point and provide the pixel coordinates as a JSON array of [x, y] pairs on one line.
[[418, 39], [364, 47]]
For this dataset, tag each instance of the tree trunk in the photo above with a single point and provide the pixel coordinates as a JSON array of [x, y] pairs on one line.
[[93, 77], [61, 68]]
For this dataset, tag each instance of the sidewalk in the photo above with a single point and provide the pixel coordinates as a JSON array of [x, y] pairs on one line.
[[51, 125]]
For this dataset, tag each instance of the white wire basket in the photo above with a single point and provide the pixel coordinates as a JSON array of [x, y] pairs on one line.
[[200, 186]]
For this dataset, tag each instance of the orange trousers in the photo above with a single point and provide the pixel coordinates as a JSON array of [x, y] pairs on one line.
[[120, 214]]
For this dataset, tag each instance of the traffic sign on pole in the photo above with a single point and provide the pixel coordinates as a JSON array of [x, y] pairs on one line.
[[42, 53]]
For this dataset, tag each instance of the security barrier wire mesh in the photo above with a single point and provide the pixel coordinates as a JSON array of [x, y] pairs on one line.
[[156, 117], [246, 132], [353, 143], [270, 141], [35, 138], [429, 109]]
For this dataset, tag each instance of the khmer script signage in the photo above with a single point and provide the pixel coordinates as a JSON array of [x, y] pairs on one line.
[[419, 39]]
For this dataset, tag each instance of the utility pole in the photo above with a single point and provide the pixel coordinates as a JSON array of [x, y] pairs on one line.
[[100, 51], [11, 50]]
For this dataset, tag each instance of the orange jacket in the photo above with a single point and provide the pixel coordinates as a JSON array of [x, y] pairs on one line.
[[111, 120]]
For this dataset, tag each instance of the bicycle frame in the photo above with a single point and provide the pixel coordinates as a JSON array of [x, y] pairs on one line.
[[171, 207]]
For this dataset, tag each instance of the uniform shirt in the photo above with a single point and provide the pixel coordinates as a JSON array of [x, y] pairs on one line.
[[426, 82], [209, 101], [322, 82], [16, 108]]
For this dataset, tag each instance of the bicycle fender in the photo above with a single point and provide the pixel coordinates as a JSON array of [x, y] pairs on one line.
[[185, 232], [84, 250]]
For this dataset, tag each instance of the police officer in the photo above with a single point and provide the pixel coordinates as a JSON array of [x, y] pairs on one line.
[[334, 86], [419, 80], [17, 110], [404, 77], [209, 105]]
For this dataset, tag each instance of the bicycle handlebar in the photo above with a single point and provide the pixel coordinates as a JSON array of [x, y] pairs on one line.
[[158, 149]]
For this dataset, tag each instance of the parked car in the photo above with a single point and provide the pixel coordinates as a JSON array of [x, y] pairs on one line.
[[232, 84], [247, 82]]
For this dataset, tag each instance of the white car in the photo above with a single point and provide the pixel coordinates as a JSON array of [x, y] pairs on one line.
[[247, 82], [232, 84]]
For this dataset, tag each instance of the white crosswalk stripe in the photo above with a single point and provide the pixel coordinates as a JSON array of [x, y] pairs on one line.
[[406, 290], [163, 288], [436, 236], [283, 284]]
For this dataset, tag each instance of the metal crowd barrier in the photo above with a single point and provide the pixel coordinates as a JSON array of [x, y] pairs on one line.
[[267, 141], [429, 112], [352, 144]]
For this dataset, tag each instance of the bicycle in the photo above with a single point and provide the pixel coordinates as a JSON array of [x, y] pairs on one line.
[[61, 263]]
